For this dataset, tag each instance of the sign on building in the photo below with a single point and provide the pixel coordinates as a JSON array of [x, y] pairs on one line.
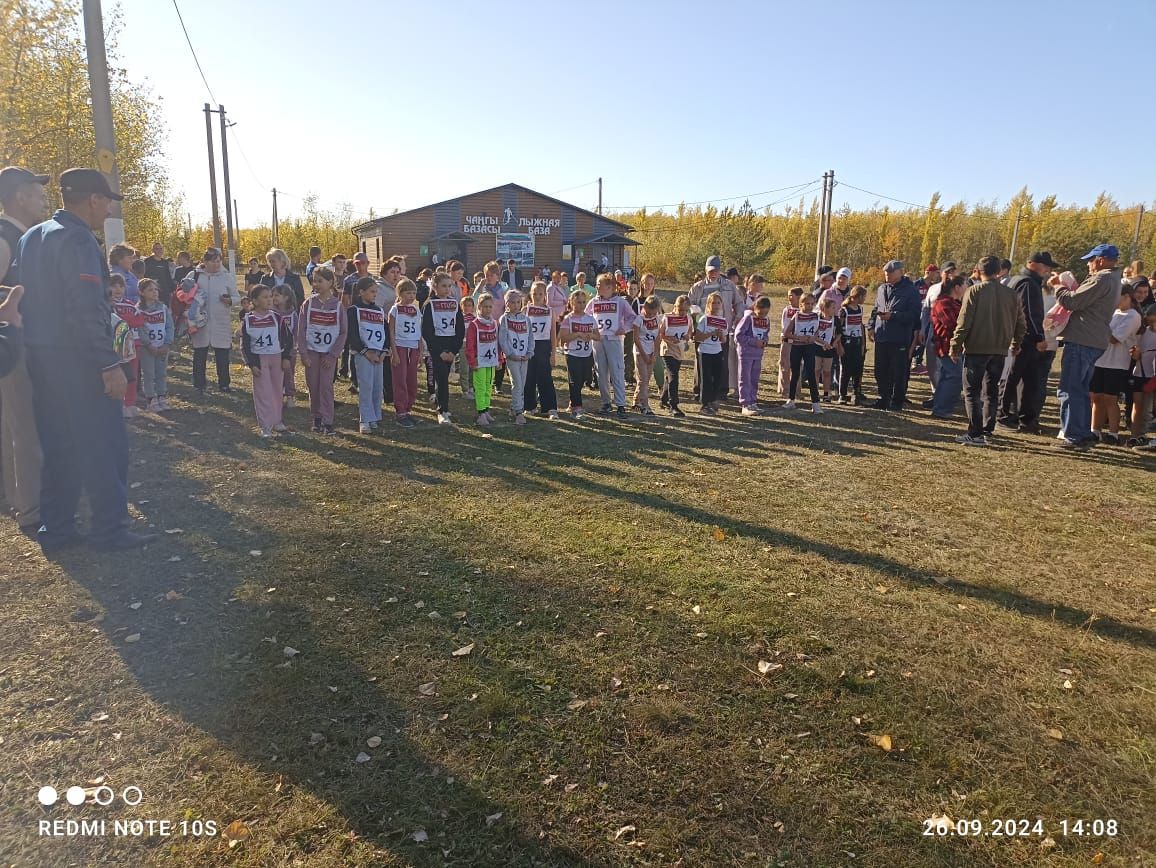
[[518, 246]]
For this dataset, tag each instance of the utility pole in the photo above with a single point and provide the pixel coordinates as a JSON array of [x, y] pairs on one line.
[[189, 219], [230, 242], [819, 252], [1016, 234], [1136, 234], [212, 178], [274, 216], [827, 214], [237, 221], [102, 116], [599, 195]]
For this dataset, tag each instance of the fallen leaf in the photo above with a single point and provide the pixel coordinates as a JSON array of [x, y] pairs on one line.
[[132, 637], [331, 599], [99, 716], [173, 530], [363, 757], [316, 738], [1057, 734], [373, 741], [493, 818], [790, 696], [870, 673], [434, 616], [615, 682], [882, 589], [255, 552], [235, 833], [549, 780], [881, 741], [625, 830], [290, 652], [134, 606], [696, 609], [570, 788], [427, 689], [599, 634], [719, 534], [174, 559], [700, 635], [1067, 672], [463, 651], [423, 573], [97, 781], [577, 704], [420, 836], [459, 615], [420, 604], [174, 595], [1098, 859], [1067, 684], [766, 666], [332, 689], [392, 600]]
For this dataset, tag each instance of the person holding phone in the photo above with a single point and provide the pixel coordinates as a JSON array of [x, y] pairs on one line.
[[216, 295]]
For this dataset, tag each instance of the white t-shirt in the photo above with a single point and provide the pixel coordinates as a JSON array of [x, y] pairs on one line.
[[583, 329], [1124, 326]]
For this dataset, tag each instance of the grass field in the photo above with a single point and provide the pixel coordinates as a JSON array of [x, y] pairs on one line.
[[786, 641]]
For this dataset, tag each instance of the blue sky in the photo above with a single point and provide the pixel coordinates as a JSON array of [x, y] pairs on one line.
[[666, 101]]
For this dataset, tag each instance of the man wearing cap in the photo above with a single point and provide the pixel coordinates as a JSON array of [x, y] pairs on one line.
[[893, 321], [732, 310], [1086, 336], [78, 383], [25, 202], [1021, 411]]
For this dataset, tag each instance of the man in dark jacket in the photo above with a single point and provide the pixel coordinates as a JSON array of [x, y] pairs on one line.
[[78, 383], [159, 269], [1021, 411], [893, 322], [512, 277]]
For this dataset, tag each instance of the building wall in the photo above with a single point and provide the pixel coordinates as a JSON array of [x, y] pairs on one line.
[[481, 217]]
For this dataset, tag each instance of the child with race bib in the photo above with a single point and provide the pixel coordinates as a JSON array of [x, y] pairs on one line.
[[854, 347], [130, 316], [801, 331], [514, 340], [646, 329], [465, 372], [321, 333], [405, 343], [285, 306], [711, 333], [673, 335], [827, 340], [369, 347], [483, 354], [156, 331], [751, 337], [539, 390], [266, 344], [444, 329], [578, 334], [793, 299], [614, 317]]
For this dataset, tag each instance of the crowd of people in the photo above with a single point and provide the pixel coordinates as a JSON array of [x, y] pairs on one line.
[[98, 332]]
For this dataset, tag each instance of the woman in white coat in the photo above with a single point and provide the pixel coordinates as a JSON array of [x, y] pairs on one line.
[[211, 319]]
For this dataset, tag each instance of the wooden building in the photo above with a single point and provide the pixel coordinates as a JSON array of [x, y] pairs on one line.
[[501, 223]]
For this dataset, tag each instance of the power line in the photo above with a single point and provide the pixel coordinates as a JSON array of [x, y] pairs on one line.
[[196, 60], [245, 157], [575, 187], [621, 208], [683, 227]]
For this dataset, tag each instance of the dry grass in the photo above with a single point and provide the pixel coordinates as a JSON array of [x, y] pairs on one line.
[[895, 584]]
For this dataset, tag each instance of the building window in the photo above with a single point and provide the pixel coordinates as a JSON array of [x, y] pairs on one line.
[[378, 242]]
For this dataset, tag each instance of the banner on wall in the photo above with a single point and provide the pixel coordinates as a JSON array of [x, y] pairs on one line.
[[518, 246]]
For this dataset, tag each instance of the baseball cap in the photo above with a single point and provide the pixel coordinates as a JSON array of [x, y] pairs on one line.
[[713, 263], [732, 272], [1043, 257], [360, 257], [1108, 251], [844, 272], [893, 265], [949, 266], [932, 267], [88, 181], [12, 177]]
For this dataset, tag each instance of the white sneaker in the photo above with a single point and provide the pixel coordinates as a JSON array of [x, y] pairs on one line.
[[579, 413], [789, 405], [163, 404], [750, 411], [817, 408], [554, 415], [364, 428], [154, 405], [264, 432], [444, 419]]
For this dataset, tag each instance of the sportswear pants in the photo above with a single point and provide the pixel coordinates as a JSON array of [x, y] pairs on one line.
[[785, 368], [540, 379], [851, 375], [578, 370], [609, 361], [517, 372], [803, 359], [644, 370], [290, 378], [319, 368], [713, 381], [750, 366], [440, 371], [267, 388], [85, 445], [371, 382], [483, 388], [404, 378], [731, 364], [154, 375], [670, 387]]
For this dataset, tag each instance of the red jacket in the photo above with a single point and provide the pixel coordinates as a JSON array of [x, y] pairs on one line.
[[944, 313]]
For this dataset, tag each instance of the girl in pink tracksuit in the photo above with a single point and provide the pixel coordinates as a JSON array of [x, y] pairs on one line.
[[266, 344], [321, 330]]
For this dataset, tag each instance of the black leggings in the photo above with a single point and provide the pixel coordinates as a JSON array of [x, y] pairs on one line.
[[579, 370], [201, 362], [714, 371], [852, 368], [440, 374], [670, 384], [540, 379], [803, 355]]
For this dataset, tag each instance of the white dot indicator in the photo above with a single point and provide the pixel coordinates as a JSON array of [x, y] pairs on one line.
[[75, 796], [47, 796]]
